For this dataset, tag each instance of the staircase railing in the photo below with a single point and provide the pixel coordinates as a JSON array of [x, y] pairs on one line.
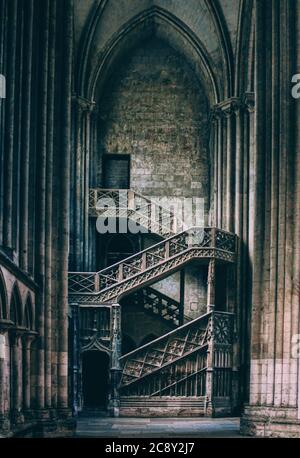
[[165, 350], [126, 203], [157, 303], [147, 266], [176, 364]]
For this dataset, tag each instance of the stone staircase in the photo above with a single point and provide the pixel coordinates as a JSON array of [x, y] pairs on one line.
[[151, 265], [185, 370]]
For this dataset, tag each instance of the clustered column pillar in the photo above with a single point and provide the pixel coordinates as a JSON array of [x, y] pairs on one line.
[[4, 422], [224, 144], [115, 369], [232, 122], [83, 109], [27, 340], [16, 369]]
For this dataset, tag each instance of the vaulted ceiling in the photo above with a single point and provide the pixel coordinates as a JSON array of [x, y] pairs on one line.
[[213, 35]]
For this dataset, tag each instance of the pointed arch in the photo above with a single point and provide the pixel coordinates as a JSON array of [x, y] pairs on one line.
[[225, 43], [244, 79], [86, 41], [28, 313], [3, 298], [166, 26], [16, 309]]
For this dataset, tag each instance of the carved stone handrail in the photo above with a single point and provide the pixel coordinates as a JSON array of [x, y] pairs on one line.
[[157, 366], [151, 264], [164, 350]]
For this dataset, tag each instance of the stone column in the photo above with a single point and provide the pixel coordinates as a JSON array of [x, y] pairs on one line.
[[228, 147], [220, 168], [26, 139], [225, 145], [83, 109], [211, 285], [10, 125], [49, 203], [16, 376], [214, 174], [2, 368], [209, 410], [4, 423], [77, 258], [75, 356], [27, 340], [244, 231], [41, 208], [64, 212], [115, 370]]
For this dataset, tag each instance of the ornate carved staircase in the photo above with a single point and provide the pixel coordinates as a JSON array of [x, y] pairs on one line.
[[151, 265], [186, 371]]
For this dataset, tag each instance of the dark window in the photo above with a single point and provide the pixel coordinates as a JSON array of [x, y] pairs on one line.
[[116, 171]]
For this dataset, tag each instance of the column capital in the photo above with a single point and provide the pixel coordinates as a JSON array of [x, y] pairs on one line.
[[233, 105], [249, 101], [227, 107], [29, 336], [16, 333], [5, 325], [84, 104]]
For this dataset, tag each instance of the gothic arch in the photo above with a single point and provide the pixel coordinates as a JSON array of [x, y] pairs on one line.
[[244, 78], [225, 43], [3, 298], [95, 344], [28, 313], [167, 27], [16, 309]]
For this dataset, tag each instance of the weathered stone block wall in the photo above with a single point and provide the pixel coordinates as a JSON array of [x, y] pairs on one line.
[[195, 291], [156, 111]]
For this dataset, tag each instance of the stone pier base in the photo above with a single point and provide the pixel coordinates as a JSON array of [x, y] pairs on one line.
[[265, 421]]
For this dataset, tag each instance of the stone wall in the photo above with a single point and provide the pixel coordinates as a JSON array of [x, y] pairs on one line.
[[138, 325], [155, 110]]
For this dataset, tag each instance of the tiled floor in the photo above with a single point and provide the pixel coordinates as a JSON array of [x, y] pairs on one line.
[[157, 427]]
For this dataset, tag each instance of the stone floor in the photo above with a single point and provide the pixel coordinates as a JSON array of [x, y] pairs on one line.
[[157, 427]]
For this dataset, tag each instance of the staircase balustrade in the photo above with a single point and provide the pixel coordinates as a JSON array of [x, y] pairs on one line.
[[151, 265]]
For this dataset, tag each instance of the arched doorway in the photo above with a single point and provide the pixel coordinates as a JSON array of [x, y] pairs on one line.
[[95, 379]]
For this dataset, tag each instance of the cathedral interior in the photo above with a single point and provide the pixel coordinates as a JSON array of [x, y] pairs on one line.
[[112, 110]]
